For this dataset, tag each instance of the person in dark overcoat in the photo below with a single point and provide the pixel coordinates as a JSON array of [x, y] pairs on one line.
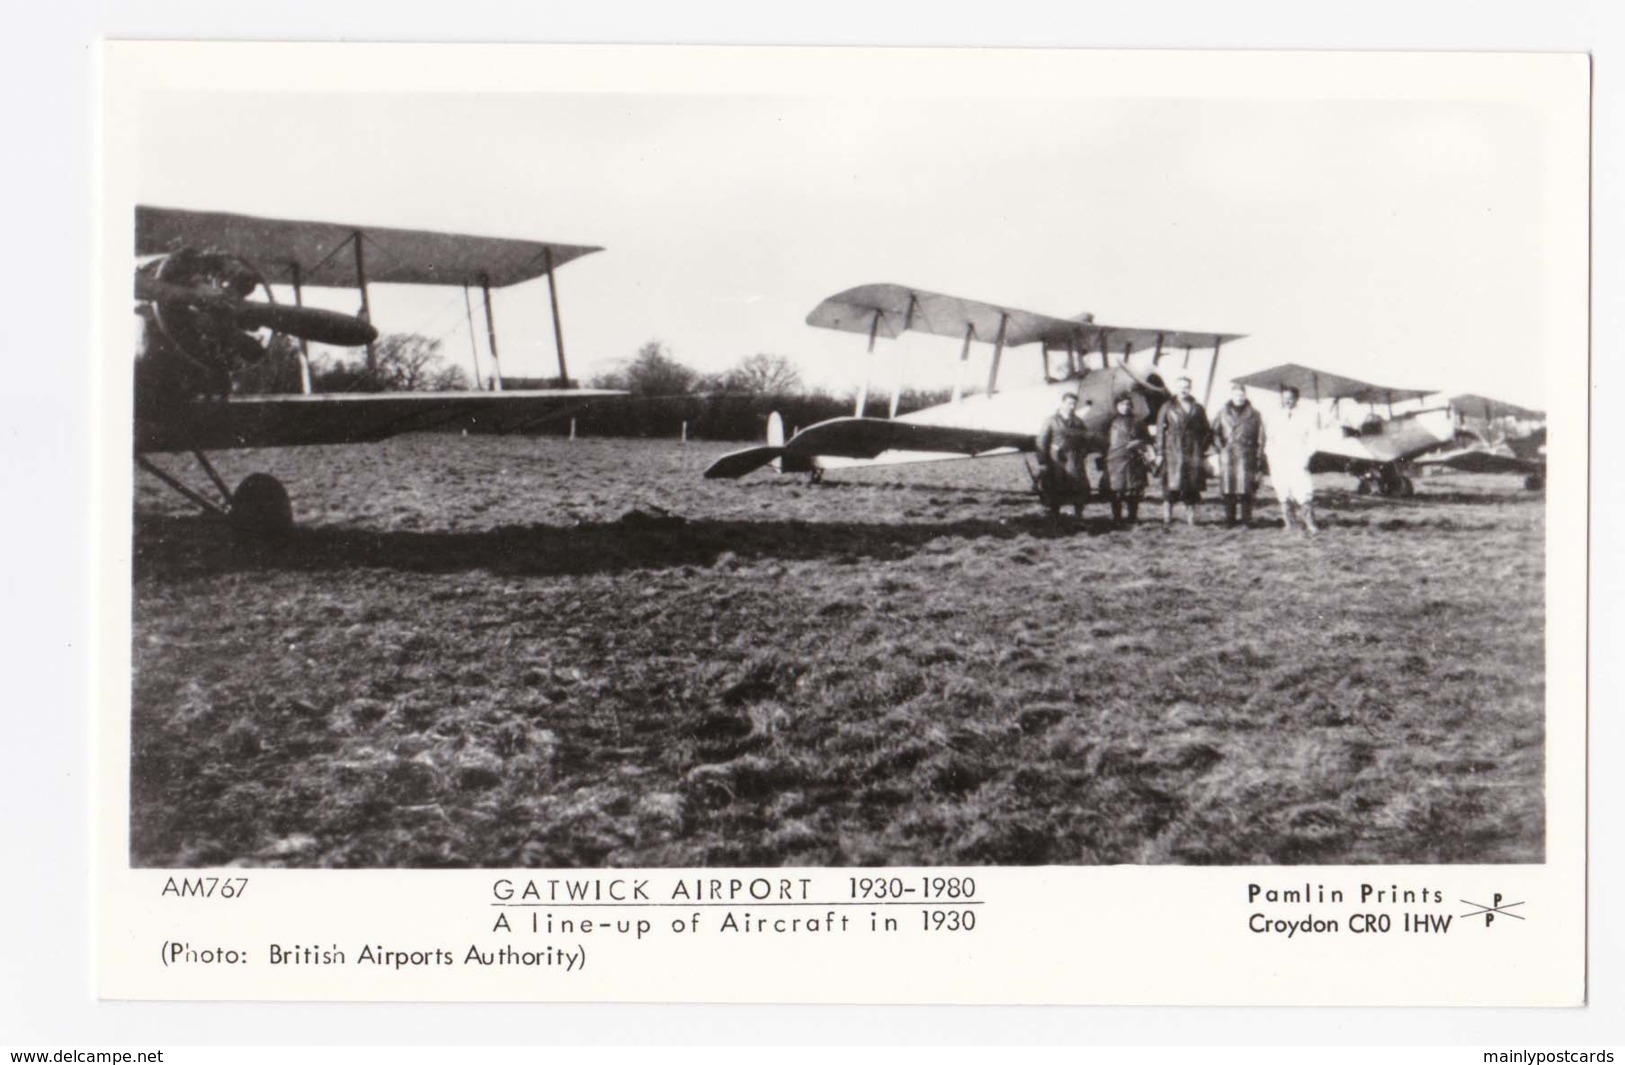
[[1062, 445], [1183, 436], [1126, 443], [1238, 433]]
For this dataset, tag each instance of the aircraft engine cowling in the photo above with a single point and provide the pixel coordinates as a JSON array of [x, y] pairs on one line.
[[200, 323]]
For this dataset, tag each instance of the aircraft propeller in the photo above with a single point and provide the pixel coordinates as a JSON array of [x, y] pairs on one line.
[[223, 299]]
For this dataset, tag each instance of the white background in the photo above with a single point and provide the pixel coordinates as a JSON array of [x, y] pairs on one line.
[[45, 947]]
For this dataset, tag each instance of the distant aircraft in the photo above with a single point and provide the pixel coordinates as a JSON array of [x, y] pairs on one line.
[[1379, 451], [994, 422], [1495, 437], [198, 275]]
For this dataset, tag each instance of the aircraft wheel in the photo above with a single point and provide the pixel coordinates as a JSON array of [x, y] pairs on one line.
[[1534, 482], [815, 475], [1362, 487], [260, 509], [1407, 487]]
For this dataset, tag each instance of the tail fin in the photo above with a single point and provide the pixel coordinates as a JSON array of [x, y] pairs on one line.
[[775, 430]]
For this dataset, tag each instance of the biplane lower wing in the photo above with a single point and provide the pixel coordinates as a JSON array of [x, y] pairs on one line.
[[347, 418], [868, 438], [1479, 460]]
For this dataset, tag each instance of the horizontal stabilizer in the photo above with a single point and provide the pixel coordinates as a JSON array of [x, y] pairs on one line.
[[738, 463]]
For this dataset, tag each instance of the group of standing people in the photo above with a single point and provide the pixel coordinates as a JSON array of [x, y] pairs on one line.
[[1177, 456]]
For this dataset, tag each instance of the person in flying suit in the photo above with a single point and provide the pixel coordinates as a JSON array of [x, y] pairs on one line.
[[1126, 443], [1238, 432], [1062, 444], [1183, 436]]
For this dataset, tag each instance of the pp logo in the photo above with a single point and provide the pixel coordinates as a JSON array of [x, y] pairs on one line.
[[1496, 908]]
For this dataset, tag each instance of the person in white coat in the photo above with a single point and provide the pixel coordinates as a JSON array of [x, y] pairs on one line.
[[1289, 443]]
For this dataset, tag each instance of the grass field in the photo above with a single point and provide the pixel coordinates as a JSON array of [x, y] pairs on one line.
[[534, 652]]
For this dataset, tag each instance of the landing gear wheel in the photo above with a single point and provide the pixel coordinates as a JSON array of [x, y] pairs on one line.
[[1362, 487], [815, 475], [1534, 482], [260, 510], [1407, 487]]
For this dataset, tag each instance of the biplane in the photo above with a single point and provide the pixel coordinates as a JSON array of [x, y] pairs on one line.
[[1078, 354], [1495, 437], [206, 288], [1381, 448]]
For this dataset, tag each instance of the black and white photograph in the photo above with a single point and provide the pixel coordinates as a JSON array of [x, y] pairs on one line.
[[817, 478]]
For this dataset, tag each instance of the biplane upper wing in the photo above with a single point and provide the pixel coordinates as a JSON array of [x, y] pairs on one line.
[[890, 310], [315, 253], [887, 310], [1317, 385], [868, 438], [1484, 407], [1086, 335], [347, 418]]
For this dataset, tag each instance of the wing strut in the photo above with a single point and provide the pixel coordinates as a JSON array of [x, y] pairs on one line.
[[304, 347], [863, 390], [964, 362], [998, 352], [558, 327], [491, 335], [1156, 356], [897, 384], [473, 344], [1212, 370], [366, 306]]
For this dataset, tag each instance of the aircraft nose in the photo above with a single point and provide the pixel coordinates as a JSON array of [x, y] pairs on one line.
[[1149, 380]]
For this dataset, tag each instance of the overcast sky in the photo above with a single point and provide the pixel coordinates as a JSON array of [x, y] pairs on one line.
[[1396, 241]]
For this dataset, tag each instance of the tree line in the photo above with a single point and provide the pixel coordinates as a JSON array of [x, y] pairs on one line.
[[664, 395], [402, 362]]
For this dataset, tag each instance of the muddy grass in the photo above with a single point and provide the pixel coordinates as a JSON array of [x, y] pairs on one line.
[[532, 652]]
